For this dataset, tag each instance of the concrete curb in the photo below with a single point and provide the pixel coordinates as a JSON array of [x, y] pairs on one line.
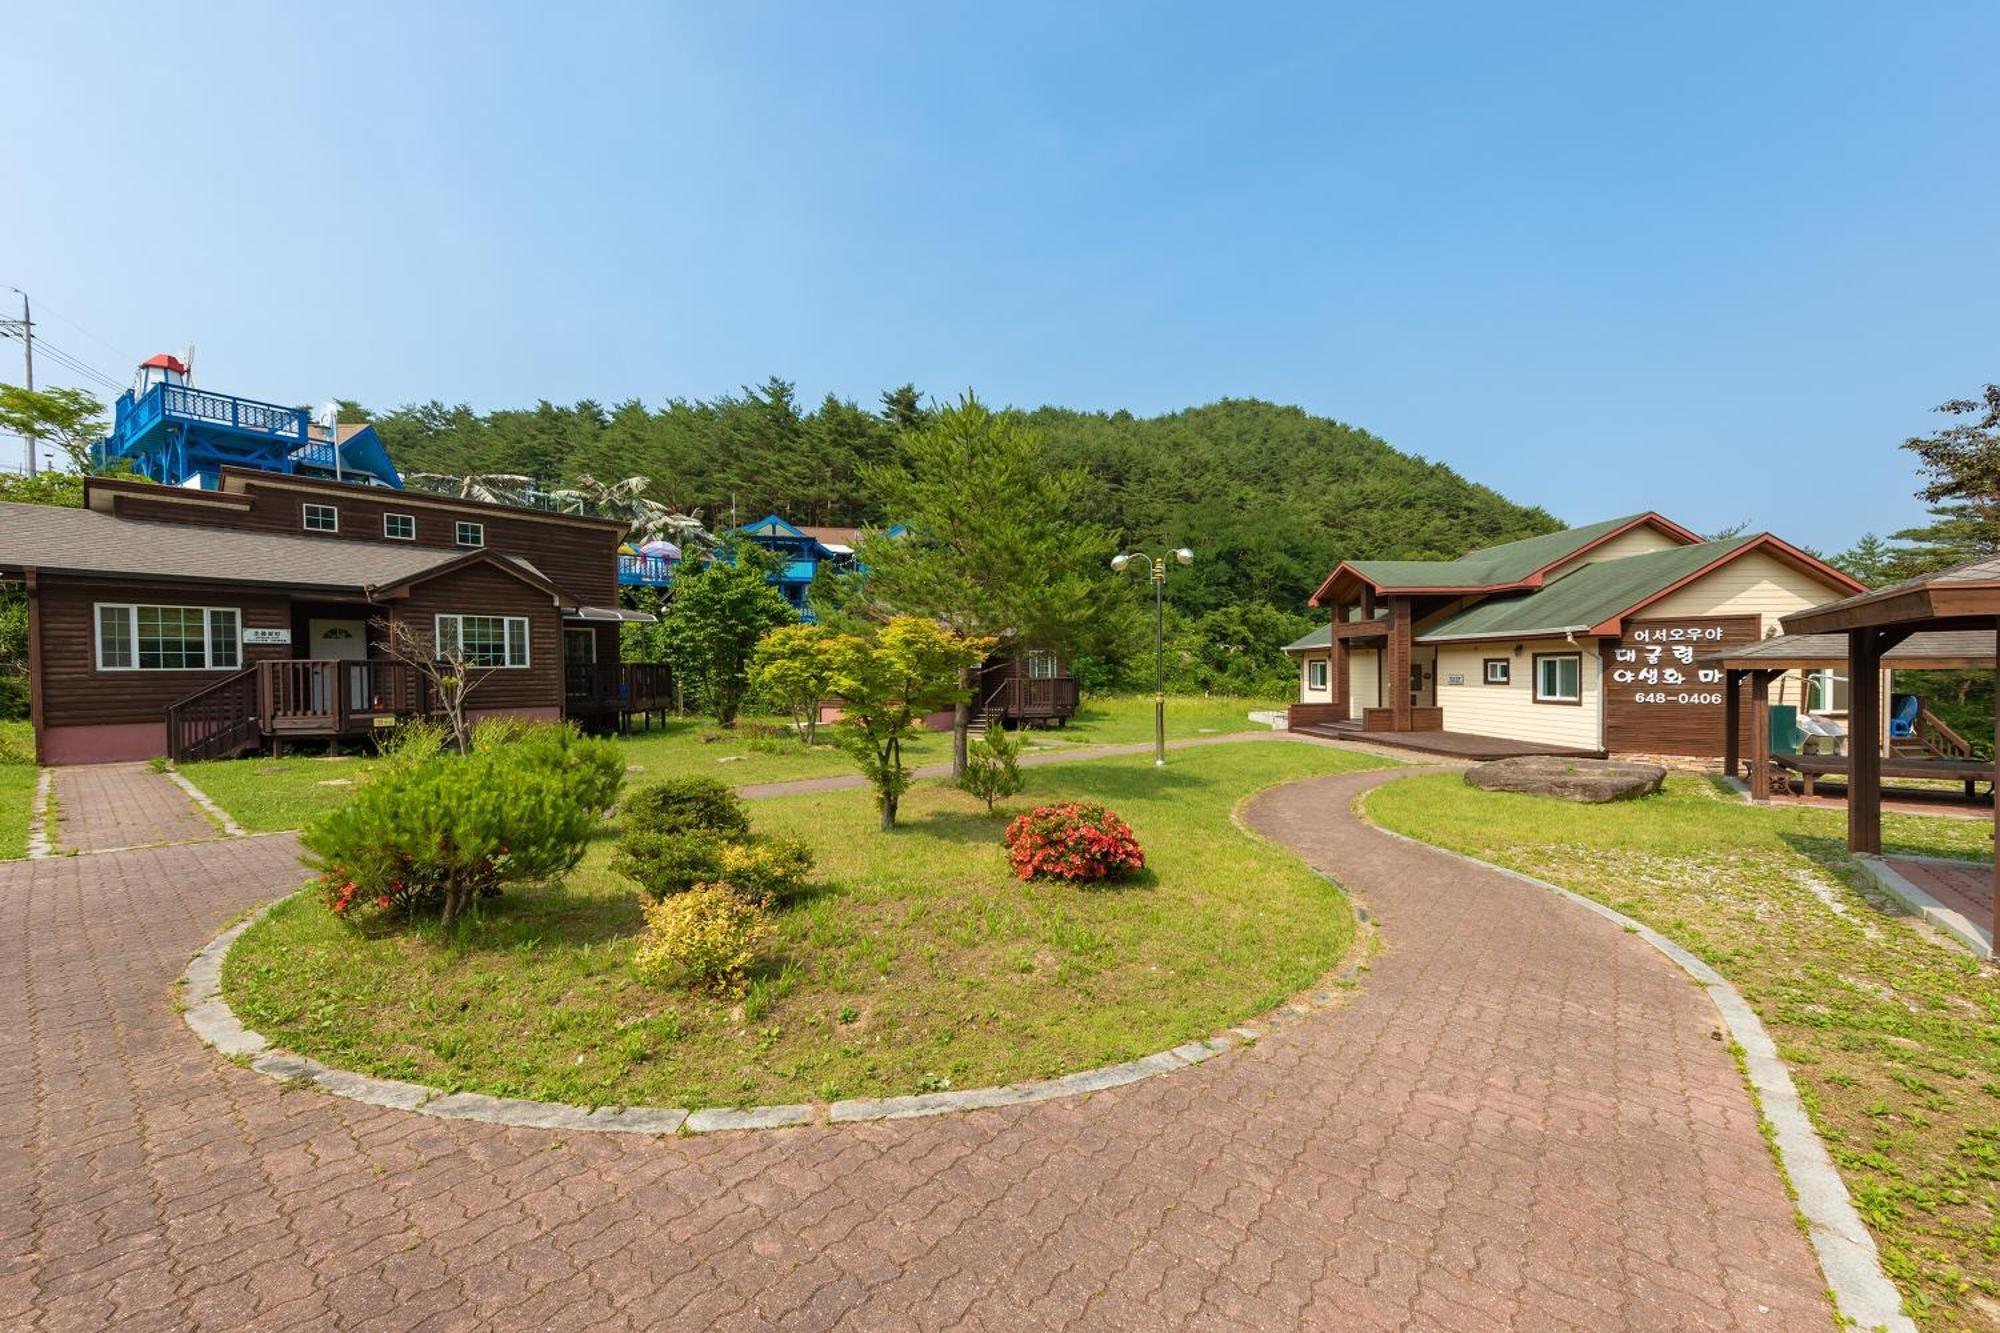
[[1862, 1292], [41, 840], [216, 1024], [207, 804], [1948, 920]]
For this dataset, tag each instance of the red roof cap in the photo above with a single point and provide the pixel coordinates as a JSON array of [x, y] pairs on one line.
[[164, 362]]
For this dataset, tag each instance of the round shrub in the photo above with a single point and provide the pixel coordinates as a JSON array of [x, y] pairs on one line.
[[685, 805], [766, 870], [1072, 840], [708, 936], [664, 864]]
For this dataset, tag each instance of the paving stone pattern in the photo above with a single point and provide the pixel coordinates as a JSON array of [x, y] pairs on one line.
[[1521, 1121], [102, 806]]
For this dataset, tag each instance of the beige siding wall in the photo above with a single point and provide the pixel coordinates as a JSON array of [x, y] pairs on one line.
[[1362, 671], [1510, 710], [1307, 694], [1636, 542], [1756, 584]]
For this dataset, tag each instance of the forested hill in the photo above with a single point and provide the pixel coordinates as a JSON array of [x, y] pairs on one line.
[[1270, 497]]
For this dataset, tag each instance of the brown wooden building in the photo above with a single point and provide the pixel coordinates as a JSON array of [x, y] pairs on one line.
[[203, 622]]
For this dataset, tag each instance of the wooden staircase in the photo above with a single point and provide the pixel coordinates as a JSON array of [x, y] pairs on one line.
[[1934, 740]]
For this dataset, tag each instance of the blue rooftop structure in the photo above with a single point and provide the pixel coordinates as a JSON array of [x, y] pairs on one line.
[[804, 554], [167, 430]]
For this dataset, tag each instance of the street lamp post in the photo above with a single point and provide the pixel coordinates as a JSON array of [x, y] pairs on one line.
[[1121, 563]]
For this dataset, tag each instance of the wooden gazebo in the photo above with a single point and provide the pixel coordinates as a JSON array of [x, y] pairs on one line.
[[1876, 624]]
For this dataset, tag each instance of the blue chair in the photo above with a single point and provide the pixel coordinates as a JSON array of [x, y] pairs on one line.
[[1903, 718]]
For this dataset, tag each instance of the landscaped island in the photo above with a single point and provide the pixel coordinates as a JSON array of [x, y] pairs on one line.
[[918, 962]]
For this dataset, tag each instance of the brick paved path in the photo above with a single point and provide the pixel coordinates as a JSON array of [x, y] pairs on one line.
[[1520, 1121], [102, 806]]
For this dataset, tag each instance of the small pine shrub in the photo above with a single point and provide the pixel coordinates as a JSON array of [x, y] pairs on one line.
[[430, 833], [686, 805], [708, 936], [992, 767], [1072, 840]]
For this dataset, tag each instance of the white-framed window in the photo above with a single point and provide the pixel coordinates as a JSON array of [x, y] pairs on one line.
[[1558, 678], [1041, 666], [168, 638], [1316, 673], [1826, 691], [322, 518], [399, 527], [1496, 671], [485, 641], [470, 533]]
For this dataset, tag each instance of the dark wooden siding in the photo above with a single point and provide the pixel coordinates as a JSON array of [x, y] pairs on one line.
[[484, 591], [1693, 729], [579, 557], [73, 692]]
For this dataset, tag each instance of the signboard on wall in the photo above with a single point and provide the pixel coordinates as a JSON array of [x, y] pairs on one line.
[[277, 636], [1659, 696]]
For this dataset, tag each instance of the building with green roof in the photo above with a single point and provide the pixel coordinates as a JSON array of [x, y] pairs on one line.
[[1582, 641]]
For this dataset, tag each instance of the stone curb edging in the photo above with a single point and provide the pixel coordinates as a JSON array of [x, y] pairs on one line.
[[217, 1025], [41, 838], [207, 803], [1862, 1293], [1948, 920]]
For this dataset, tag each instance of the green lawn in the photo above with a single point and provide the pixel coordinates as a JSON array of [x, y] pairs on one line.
[[1892, 1037], [266, 795], [17, 787], [922, 963]]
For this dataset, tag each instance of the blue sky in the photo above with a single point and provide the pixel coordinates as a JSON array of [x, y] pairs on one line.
[[1714, 260]]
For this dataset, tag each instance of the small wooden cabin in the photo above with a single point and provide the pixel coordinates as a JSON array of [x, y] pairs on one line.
[[1024, 687]]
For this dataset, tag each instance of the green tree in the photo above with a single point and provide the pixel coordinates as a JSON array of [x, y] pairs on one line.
[[793, 670], [992, 767], [1870, 559], [62, 489], [887, 684], [992, 544], [711, 628], [69, 419]]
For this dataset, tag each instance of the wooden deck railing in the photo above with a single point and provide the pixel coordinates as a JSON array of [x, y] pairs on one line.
[[623, 687], [1031, 697], [317, 696]]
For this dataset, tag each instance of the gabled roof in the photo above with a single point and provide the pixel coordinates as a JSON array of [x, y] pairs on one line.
[[85, 541], [1968, 590], [1511, 565], [1599, 595]]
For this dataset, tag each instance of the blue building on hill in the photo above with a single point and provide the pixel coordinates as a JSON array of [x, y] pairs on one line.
[[806, 551], [166, 430]]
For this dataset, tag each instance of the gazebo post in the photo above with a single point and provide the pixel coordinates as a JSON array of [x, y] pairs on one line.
[[1993, 909], [1760, 735], [1864, 743], [1336, 665], [1732, 723]]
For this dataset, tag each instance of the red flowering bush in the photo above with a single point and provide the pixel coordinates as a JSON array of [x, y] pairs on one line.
[[1073, 840]]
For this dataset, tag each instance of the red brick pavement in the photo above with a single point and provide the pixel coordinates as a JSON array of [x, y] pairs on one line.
[[102, 806], [1520, 1121]]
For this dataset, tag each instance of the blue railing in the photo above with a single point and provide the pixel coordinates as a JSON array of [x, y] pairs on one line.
[[645, 571], [182, 403]]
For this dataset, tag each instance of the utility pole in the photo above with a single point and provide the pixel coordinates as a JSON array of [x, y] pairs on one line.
[[26, 326]]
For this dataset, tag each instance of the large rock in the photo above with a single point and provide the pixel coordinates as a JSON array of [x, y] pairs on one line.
[[1592, 781]]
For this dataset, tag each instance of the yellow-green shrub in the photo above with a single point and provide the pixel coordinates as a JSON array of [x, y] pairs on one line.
[[708, 936]]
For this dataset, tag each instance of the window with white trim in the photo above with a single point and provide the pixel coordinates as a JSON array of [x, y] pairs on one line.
[[1316, 673], [1497, 670], [322, 518], [471, 534], [399, 527], [1041, 666], [168, 638], [1559, 678], [484, 641]]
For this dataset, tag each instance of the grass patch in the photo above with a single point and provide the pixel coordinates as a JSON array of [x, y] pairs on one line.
[[17, 787], [920, 965], [1892, 1037], [268, 795]]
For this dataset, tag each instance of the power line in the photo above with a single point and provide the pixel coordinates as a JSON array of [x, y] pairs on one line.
[[76, 365]]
